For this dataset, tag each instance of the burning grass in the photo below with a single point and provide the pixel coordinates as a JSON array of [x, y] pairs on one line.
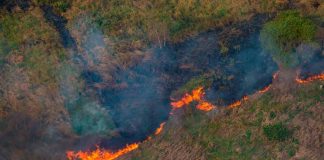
[[104, 154], [245, 134], [267, 88], [310, 79], [100, 154], [238, 103], [196, 95], [159, 130]]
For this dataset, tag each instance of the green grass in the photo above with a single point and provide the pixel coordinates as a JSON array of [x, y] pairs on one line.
[[277, 132], [283, 34], [26, 35]]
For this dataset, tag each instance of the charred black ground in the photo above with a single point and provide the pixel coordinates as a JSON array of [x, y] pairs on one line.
[[138, 109]]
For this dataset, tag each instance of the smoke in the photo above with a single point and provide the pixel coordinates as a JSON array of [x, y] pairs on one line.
[[105, 100], [114, 99], [312, 60], [122, 98]]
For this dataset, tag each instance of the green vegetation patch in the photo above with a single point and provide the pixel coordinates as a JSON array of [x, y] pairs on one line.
[[27, 41], [281, 35], [277, 132]]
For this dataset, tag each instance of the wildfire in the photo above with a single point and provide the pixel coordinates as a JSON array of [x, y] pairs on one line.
[[205, 106], [238, 103], [310, 79], [100, 154], [265, 89], [196, 95], [103, 154], [159, 130]]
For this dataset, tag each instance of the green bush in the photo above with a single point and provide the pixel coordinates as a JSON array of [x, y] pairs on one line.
[[248, 134], [277, 132], [272, 115], [281, 35]]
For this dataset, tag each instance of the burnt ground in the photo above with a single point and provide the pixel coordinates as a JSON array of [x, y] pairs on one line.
[[139, 108]]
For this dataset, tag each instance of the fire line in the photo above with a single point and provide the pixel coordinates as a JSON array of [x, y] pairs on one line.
[[103, 154], [310, 79], [238, 103], [265, 89], [196, 95], [100, 154], [159, 130]]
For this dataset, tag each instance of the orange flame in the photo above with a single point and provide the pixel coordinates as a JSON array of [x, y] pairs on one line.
[[265, 89], [238, 103], [159, 130], [100, 154], [310, 79], [196, 95], [205, 106]]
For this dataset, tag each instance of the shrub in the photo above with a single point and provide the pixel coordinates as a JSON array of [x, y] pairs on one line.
[[272, 115], [277, 132], [281, 35], [248, 134]]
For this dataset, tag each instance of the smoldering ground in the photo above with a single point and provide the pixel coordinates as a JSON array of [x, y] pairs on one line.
[[136, 98], [123, 105]]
